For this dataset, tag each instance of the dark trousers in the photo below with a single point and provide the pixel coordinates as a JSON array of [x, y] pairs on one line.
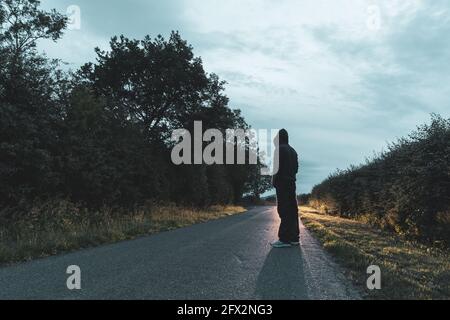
[[288, 210]]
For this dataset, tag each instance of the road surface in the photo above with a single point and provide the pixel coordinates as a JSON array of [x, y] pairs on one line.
[[228, 258]]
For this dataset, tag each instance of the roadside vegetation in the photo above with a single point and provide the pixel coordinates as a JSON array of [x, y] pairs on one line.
[[409, 270], [80, 150], [60, 226], [101, 134], [405, 189]]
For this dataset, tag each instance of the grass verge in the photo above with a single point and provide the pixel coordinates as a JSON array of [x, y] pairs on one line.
[[408, 270], [62, 227]]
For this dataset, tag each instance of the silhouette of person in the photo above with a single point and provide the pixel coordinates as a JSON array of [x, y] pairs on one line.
[[284, 182]]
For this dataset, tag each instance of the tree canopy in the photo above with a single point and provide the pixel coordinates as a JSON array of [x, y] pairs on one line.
[[101, 135]]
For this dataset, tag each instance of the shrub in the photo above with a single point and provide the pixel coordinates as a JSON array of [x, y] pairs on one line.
[[406, 188]]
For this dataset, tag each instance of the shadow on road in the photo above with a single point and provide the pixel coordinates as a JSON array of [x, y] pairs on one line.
[[282, 276]]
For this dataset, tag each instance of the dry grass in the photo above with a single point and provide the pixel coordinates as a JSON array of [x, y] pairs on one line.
[[61, 227], [409, 270]]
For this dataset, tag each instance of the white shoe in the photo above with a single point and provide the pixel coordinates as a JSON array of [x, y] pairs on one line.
[[280, 244]]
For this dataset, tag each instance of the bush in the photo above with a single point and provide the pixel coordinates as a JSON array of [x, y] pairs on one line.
[[405, 189]]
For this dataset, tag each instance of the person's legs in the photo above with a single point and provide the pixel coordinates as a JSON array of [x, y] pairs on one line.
[[292, 213], [283, 210]]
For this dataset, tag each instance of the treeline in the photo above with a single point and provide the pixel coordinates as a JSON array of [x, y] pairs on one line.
[[406, 188], [100, 136]]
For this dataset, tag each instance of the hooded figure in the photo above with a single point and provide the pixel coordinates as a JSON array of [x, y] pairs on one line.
[[284, 181]]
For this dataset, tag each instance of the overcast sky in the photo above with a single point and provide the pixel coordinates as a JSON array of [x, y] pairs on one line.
[[343, 76]]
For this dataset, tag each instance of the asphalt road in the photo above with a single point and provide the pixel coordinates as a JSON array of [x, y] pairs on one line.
[[228, 258]]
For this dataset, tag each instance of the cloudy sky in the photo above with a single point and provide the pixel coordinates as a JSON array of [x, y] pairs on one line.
[[344, 77]]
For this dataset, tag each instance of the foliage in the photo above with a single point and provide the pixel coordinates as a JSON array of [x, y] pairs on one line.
[[406, 188], [101, 136]]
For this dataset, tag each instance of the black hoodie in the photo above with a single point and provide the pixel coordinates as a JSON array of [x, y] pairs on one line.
[[288, 161]]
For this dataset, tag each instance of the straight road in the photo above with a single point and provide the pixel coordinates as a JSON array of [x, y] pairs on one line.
[[230, 258]]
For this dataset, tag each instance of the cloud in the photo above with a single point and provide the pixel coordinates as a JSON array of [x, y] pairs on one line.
[[103, 19]]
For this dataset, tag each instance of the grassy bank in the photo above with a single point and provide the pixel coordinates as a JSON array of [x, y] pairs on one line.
[[61, 227], [409, 270]]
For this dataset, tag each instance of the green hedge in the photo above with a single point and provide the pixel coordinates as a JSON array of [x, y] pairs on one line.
[[406, 188]]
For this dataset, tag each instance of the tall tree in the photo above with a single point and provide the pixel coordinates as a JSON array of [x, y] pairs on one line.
[[154, 83], [28, 109]]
